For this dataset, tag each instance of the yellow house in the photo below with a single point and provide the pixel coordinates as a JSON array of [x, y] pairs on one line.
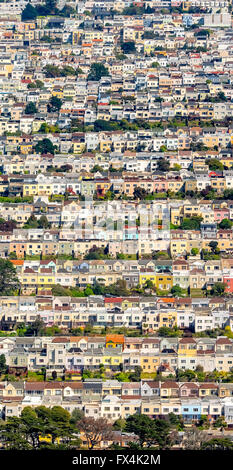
[[45, 279], [227, 161], [129, 303], [34, 248], [28, 280], [147, 276], [210, 140], [29, 35], [194, 244], [36, 125], [111, 361], [176, 215], [17, 166], [187, 347], [149, 362], [26, 148], [58, 92], [48, 439], [224, 244], [112, 341], [168, 319], [148, 47], [104, 114], [191, 210], [178, 246], [175, 185], [206, 112], [105, 145], [199, 163], [164, 281], [76, 36], [30, 189], [79, 147], [6, 69], [91, 34], [219, 184], [45, 189]]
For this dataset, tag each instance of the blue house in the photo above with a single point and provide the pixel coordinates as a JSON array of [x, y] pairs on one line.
[[191, 410]]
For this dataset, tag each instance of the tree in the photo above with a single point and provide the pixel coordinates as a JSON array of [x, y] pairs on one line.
[[139, 193], [221, 96], [32, 222], [214, 164], [203, 422], [163, 165], [3, 366], [98, 289], [118, 289], [76, 416], [55, 104], [225, 224], [95, 253], [228, 194], [214, 247], [54, 375], [220, 423], [176, 421], [52, 71], [57, 424], [95, 430], [68, 70], [194, 439], [13, 434], [160, 435], [33, 426], [97, 71], [128, 47], [218, 444], [43, 222], [194, 251], [176, 167], [150, 432], [149, 284], [66, 11], [160, 255], [37, 84], [8, 278], [136, 375], [31, 108], [192, 223], [97, 168], [164, 331], [218, 289], [176, 291], [163, 148], [7, 225], [29, 13], [119, 424], [60, 291], [139, 425], [185, 375], [88, 291], [66, 168], [51, 6], [102, 125], [45, 146], [36, 328]]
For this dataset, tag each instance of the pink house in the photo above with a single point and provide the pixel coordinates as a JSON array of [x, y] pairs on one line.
[[220, 214], [189, 389], [160, 185]]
